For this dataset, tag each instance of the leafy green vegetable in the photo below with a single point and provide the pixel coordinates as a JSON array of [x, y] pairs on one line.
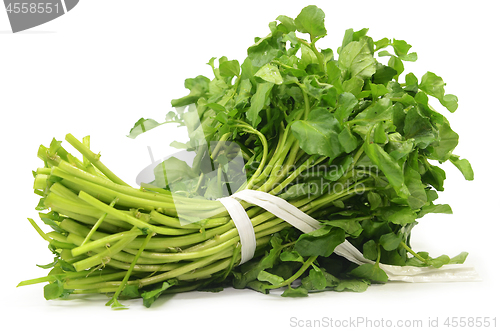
[[338, 135]]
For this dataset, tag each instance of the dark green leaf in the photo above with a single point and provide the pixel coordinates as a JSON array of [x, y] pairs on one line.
[[370, 250], [319, 133], [321, 242], [370, 272], [390, 241]]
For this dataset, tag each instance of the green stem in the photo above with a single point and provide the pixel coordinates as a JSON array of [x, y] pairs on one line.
[[290, 280], [93, 158], [407, 248]]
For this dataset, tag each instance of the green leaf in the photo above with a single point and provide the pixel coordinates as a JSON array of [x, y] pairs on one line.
[[151, 296], [347, 140], [413, 181], [265, 276], [388, 166], [287, 22], [258, 101], [347, 102], [357, 60], [401, 47], [229, 68], [459, 259], [266, 262], [352, 285], [374, 199], [464, 166], [291, 256], [321, 242], [297, 292], [370, 272], [401, 215], [370, 250], [198, 86], [339, 168], [390, 241], [319, 133], [433, 85], [270, 73], [435, 209], [439, 261], [317, 279], [418, 127], [53, 290], [311, 20]]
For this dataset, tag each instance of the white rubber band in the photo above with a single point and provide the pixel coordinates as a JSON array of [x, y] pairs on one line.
[[244, 227], [305, 223]]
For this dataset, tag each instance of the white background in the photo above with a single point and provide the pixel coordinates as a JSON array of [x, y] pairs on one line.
[[105, 64]]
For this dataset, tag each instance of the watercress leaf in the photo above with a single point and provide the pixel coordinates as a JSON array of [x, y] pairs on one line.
[[412, 57], [439, 261], [418, 196], [352, 285], [287, 22], [371, 272], [53, 290], [265, 276], [383, 74], [396, 63], [374, 199], [142, 126], [350, 226], [348, 141], [229, 68], [435, 209], [338, 168], [434, 176], [346, 103], [291, 256], [391, 169], [433, 85], [151, 296], [400, 215], [354, 85], [418, 127], [390, 241], [270, 73], [382, 43], [198, 86], [318, 279], [319, 133], [448, 140], [370, 250], [266, 262], [459, 259], [357, 60], [401, 47], [321, 242], [295, 292], [311, 20], [258, 101], [464, 166]]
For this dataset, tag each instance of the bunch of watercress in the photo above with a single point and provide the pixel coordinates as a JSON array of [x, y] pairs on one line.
[[344, 135]]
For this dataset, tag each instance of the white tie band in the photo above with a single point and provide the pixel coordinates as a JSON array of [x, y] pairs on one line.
[[305, 223]]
